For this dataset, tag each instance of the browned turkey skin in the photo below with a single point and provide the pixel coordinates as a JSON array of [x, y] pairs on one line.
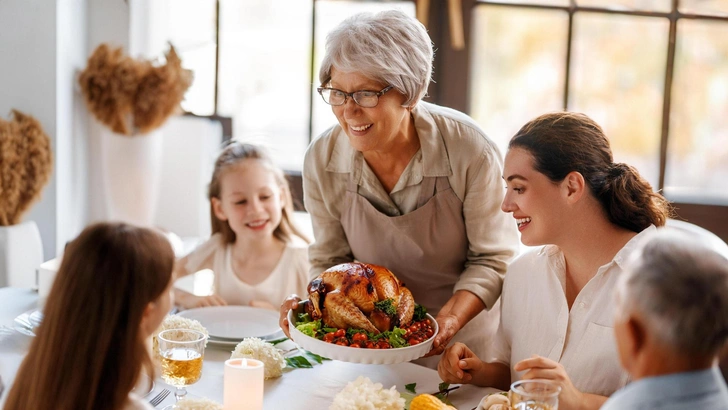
[[343, 296]]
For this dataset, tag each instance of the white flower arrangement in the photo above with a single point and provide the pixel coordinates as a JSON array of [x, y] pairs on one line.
[[198, 404], [176, 322], [362, 394], [255, 348]]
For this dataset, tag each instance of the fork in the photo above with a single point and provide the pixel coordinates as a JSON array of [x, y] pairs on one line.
[[159, 398]]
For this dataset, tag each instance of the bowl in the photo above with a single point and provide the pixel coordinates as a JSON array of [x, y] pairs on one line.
[[354, 355]]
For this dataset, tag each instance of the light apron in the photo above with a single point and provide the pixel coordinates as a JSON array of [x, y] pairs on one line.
[[426, 249]]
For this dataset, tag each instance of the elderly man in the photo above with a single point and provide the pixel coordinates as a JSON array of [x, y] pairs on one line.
[[671, 322]]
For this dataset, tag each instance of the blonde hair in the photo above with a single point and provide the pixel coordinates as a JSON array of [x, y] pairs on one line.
[[233, 154], [90, 348]]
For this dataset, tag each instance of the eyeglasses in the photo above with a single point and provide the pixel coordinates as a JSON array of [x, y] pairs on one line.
[[363, 98]]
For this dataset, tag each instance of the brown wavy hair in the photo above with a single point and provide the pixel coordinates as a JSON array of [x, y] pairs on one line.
[[90, 349], [563, 142], [26, 164], [235, 153]]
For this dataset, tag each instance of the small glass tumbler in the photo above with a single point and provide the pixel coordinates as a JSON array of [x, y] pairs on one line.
[[535, 394]]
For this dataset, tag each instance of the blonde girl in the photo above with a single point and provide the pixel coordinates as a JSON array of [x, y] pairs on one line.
[[257, 254], [111, 292]]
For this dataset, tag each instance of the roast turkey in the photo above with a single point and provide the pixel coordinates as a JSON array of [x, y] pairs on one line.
[[346, 295]]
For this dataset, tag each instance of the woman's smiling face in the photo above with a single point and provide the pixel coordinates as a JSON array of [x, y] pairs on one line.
[[535, 201], [370, 129]]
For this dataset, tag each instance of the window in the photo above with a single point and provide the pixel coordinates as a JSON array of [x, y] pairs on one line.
[[653, 73], [655, 77]]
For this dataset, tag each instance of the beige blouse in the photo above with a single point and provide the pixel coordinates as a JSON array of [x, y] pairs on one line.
[[451, 145], [289, 276], [535, 319]]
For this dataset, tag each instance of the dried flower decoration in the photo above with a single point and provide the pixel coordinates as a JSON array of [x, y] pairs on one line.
[[133, 96], [26, 163]]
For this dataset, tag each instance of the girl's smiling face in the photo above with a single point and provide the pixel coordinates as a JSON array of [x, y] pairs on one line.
[[536, 202], [370, 129], [250, 200]]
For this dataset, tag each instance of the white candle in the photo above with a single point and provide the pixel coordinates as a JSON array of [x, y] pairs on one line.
[[243, 384]]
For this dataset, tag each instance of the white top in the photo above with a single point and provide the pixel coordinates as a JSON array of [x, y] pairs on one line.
[[289, 276], [137, 403], [535, 319]]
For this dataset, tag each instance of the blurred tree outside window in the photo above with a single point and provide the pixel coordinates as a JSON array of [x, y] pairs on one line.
[[664, 109]]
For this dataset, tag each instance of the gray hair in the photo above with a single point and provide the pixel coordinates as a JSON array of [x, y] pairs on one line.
[[680, 287], [389, 46]]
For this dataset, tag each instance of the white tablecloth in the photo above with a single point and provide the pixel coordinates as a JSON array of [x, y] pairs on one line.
[[297, 389]]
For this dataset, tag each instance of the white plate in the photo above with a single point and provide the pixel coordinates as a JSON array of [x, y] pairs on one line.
[[354, 355], [36, 318], [235, 323], [23, 324]]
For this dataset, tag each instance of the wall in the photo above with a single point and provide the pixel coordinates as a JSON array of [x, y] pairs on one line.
[[71, 122], [28, 50]]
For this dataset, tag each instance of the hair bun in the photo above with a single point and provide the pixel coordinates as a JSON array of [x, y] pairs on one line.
[[618, 169]]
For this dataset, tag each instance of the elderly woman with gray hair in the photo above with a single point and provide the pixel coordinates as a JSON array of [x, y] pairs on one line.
[[406, 184], [671, 322]]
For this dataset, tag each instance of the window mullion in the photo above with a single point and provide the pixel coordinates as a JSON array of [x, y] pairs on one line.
[[667, 94]]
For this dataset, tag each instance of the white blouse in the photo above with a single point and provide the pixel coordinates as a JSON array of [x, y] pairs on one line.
[[289, 276], [535, 319]]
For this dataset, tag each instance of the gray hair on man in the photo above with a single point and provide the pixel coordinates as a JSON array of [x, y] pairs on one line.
[[680, 288], [388, 46]]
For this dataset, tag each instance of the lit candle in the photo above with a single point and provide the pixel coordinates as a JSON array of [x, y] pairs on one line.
[[243, 384]]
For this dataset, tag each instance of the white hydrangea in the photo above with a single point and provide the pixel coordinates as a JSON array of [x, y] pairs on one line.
[[255, 348], [362, 394], [198, 404], [176, 322]]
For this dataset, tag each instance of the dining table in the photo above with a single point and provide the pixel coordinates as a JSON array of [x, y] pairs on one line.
[[300, 388]]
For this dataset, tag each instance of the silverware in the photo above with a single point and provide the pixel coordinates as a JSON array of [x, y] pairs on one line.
[[159, 398]]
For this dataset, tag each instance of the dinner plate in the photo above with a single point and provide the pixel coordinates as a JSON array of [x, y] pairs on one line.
[[23, 324], [234, 323], [35, 318], [366, 356]]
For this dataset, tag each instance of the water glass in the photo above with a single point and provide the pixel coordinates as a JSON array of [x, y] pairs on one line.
[[535, 394]]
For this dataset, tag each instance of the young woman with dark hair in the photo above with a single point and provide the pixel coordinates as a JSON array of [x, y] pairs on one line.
[[566, 193]]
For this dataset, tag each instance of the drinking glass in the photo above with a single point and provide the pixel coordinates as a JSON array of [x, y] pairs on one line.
[[535, 394], [182, 351]]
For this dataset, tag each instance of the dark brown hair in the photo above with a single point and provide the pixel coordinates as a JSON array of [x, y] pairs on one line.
[[563, 142], [90, 349], [233, 154]]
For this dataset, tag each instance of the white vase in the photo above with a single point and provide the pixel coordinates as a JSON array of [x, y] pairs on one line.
[[130, 173], [21, 252]]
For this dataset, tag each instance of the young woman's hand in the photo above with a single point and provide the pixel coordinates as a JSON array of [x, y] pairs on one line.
[[459, 364], [291, 302], [263, 304], [538, 367]]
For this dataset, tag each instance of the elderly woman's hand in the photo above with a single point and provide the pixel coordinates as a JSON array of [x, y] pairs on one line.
[[448, 325], [291, 302], [542, 368]]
